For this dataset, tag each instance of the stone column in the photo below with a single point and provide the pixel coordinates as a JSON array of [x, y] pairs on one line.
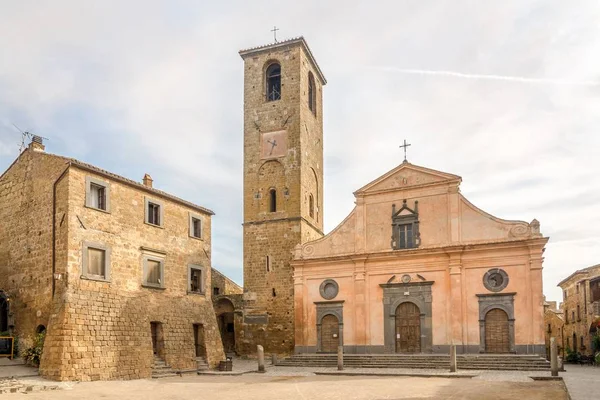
[[260, 352], [453, 358], [553, 357], [340, 358], [273, 359]]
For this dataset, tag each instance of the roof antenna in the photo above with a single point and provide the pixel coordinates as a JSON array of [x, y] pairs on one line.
[[27, 135]]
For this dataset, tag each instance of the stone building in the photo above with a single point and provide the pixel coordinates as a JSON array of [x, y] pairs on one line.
[[581, 307], [554, 325], [283, 185], [114, 270], [414, 268]]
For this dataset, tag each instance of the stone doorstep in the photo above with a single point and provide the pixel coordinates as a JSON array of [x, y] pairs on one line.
[[416, 375]]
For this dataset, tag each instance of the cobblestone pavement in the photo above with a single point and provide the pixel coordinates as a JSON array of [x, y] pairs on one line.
[[264, 386], [582, 381]]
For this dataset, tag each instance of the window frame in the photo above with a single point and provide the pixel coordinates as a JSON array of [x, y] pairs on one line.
[[272, 200], [160, 204], [269, 64], [197, 217], [89, 181], [161, 260], [312, 93], [203, 277], [85, 261]]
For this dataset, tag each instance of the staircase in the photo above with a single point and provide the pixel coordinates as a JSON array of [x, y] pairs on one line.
[[202, 364], [505, 362], [161, 369]]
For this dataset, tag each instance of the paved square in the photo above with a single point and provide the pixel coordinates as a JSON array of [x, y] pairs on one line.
[[255, 386]]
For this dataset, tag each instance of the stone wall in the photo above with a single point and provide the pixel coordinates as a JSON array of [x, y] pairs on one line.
[[224, 285], [26, 202]]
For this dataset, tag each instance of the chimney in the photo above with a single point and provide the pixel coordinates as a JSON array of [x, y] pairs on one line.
[[37, 144], [147, 180]]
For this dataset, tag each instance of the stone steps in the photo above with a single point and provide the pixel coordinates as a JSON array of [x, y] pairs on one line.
[[161, 369], [424, 361]]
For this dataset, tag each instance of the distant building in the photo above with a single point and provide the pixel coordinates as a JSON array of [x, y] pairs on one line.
[[554, 323], [581, 307], [116, 272]]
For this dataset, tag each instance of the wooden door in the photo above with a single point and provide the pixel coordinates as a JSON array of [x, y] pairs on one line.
[[408, 328], [496, 332], [330, 334]]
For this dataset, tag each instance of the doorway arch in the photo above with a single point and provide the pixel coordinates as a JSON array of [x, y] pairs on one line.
[[497, 332], [408, 328], [224, 310], [330, 338]]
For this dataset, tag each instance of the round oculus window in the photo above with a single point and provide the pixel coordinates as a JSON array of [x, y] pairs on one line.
[[329, 289], [495, 280]]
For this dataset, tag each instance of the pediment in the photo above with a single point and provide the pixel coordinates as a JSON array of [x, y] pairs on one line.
[[407, 175]]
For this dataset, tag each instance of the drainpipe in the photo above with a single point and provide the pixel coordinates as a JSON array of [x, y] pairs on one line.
[[54, 227]]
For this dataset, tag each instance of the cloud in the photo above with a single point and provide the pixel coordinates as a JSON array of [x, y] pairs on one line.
[[487, 90]]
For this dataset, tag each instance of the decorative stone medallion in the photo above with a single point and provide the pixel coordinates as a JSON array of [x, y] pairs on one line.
[[405, 278], [329, 289], [495, 280]]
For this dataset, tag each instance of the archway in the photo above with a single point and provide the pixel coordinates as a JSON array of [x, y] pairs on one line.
[[497, 336], [225, 318], [330, 339], [408, 328]]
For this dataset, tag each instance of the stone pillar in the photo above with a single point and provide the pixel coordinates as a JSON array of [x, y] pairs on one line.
[[340, 358], [455, 307], [453, 358], [553, 357], [273, 359], [260, 352]]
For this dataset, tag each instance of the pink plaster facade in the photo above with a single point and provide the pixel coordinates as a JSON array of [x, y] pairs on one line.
[[459, 243]]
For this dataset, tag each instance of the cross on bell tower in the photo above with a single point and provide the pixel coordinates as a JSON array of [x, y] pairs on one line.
[[405, 145]]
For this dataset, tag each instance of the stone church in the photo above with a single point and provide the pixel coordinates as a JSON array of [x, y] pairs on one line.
[[415, 267]]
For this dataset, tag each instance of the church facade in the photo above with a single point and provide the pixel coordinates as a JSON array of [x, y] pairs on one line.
[[415, 268]]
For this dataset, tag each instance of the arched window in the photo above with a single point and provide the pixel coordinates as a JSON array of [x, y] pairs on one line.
[[312, 98], [311, 206], [272, 200], [273, 80]]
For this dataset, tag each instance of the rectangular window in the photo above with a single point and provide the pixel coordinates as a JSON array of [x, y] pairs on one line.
[[566, 316], [268, 263], [196, 279], [195, 226], [153, 212], [578, 313], [97, 194], [572, 316], [577, 289], [216, 291], [406, 236], [96, 261], [549, 328], [153, 271]]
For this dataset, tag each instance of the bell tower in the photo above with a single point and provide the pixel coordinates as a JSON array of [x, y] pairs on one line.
[[283, 184]]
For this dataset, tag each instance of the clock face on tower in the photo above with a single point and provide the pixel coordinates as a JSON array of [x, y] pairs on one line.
[[273, 144]]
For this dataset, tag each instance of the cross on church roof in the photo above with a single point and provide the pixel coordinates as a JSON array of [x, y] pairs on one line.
[[405, 145], [274, 30]]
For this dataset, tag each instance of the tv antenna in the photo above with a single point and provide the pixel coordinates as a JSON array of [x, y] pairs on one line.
[[28, 135]]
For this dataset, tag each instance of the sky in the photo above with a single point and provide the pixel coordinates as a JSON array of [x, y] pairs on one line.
[[505, 94]]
